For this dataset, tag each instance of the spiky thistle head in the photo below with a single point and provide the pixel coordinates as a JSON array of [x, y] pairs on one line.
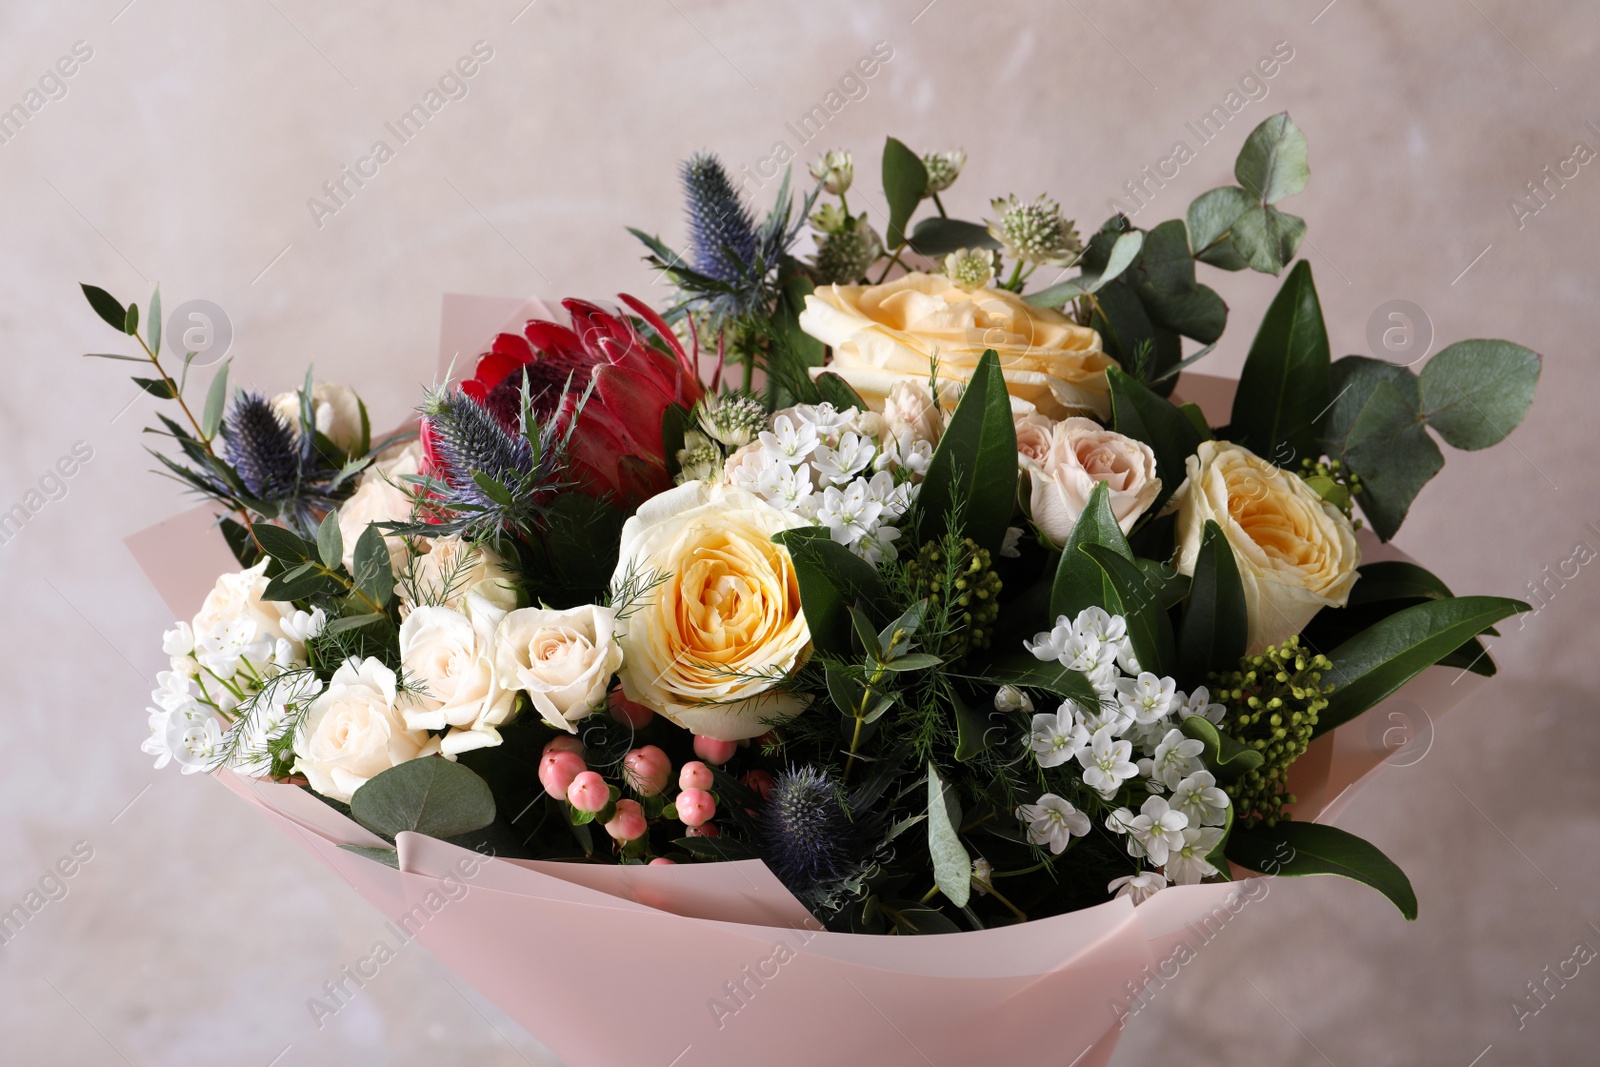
[[264, 450], [721, 231], [811, 841]]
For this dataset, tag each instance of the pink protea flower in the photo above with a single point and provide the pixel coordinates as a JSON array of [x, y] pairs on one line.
[[616, 447]]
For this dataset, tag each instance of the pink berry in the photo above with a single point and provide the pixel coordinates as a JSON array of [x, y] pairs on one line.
[[558, 769], [695, 806], [662, 861], [628, 823], [695, 775], [760, 783], [646, 770], [704, 830], [564, 743], [713, 751], [588, 792], [627, 712]]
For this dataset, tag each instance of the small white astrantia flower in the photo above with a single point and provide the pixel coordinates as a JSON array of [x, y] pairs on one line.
[[1153, 832], [839, 465], [1150, 698], [1105, 763], [1199, 798], [1053, 821], [178, 641], [1138, 887], [1177, 757], [789, 442], [1186, 863], [1057, 738]]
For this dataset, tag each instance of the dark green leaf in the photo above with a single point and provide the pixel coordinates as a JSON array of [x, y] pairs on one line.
[[1210, 220], [905, 180], [1283, 390], [431, 796], [330, 544], [371, 567], [975, 465], [1126, 327], [866, 632], [106, 306], [952, 866], [844, 687], [1474, 393], [156, 387], [1224, 757], [913, 661], [718, 849], [285, 546], [972, 729], [1385, 442], [1373, 664], [1123, 252], [1022, 669], [1079, 582], [836, 391], [239, 543], [1215, 622], [913, 917], [1149, 628], [1272, 163], [831, 579], [939, 236], [493, 489], [1396, 580], [1141, 414], [674, 421], [1305, 848]]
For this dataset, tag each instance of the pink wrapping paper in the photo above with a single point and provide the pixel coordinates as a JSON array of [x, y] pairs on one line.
[[719, 963]]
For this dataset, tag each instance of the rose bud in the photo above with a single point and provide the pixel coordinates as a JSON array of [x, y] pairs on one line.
[[558, 769], [695, 775], [713, 751], [627, 712], [628, 823], [662, 861], [760, 783], [695, 806], [704, 830], [589, 792], [563, 743], [646, 770]]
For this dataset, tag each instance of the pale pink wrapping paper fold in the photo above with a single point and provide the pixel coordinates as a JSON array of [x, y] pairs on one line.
[[718, 963]]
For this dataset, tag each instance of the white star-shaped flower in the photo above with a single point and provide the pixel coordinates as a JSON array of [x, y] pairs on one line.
[[1199, 798], [1053, 821], [1138, 887], [788, 442], [1186, 863], [1176, 757], [1057, 738], [1105, 762], [1150, 698]]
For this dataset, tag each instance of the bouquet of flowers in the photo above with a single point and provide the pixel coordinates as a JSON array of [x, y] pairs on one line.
[[874, 566]]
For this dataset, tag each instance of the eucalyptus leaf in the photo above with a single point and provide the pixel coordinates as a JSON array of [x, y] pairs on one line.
[[1297, 849], [131, 326], [285, 546], [1474, 393], [156, 387], [431, 796], [330, 541], [387, 856], [1272, 163], [153, 328], [1267, 238], [371, 567], [1210, 220], [1393, 453], [952, 866], [1123, 252]]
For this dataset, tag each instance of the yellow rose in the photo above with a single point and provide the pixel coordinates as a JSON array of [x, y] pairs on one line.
[[1296, 553], [883, 334], [706, 646]]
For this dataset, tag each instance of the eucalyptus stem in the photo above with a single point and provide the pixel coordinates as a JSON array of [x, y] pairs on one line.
[[940, 205]]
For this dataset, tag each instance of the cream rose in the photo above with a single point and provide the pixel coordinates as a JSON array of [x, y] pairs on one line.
[[354, 730], [1296, 553], [1066, 460], [883, 334], [448, 653], [705, 646], [235, 624], [335, 412], [382, 495], [563, 660], [445, 570], [909, 407]]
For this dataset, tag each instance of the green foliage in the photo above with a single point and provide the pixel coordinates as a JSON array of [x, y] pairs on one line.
[[975, 464], [431, 796], [1284, 387], [1296, 849], [939, 236], [832, 579], [1079, 581], [905, 181], [1215, 621], [1145, 416], [952, 865]]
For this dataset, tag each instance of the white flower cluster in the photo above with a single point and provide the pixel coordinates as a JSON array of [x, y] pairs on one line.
[[238, 660], [851, 471], [1132, 734]]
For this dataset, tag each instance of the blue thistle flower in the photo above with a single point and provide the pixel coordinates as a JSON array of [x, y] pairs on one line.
[[720, 228], [468, 439], [811, 842], [263, 449]]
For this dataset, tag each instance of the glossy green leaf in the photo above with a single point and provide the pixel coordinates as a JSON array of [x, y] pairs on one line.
[[1080, 582], [831, 580], [1143, 415], [1396, 580], [431, 796], [972, 729], [905, 180], [1210, 220], [952, 866], [1474, 393], [106, 306], [975, 465], [1123, 252], [1224, 757], [938, 236], [1272, 163], [285, 546], [156, 387], [1215, 621], [1298, 849], [836, 391], [1284, 388], [1126, 328], [371, 567], [1373, 664], [1023, 670], [1149, 628]]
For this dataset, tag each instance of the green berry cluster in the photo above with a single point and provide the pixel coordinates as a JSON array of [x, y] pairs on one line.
[[1333, 481], [1273, 701], [972, 587]]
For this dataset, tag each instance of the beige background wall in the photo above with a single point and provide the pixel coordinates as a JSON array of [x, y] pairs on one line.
[[184, 151]]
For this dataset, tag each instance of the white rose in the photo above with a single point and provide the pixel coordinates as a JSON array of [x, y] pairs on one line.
[[443, 571], [235, 624], [448, 654], [563, 660], [1296, 553], [354, 730], [335, 412], [1064, 467], [707, 646], [381, 496]]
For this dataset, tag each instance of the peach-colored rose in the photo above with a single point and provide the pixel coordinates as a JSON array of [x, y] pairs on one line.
[[1067, 460]]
